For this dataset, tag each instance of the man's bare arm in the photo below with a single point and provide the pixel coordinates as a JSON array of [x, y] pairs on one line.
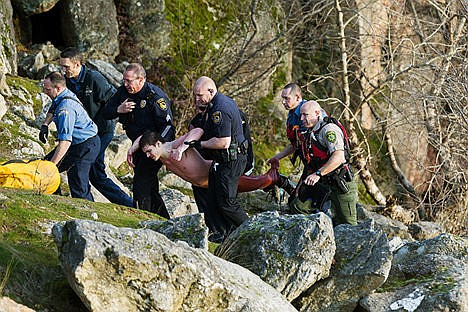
[[178, 146], [336, 159], [135, 146], [275, 160], [48, 119], [193, 135], [60, 151]]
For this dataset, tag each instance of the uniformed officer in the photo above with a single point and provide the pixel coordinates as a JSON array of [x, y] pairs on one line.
[[198, 121], [325, 151], [142, 106], [224, 142], [93, 91], [78, 143]]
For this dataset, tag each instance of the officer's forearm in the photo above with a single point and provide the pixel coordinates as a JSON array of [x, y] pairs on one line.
[[193, 135], [288, 150], [48, 119], [336, 159], [217, 143], [60, 151]]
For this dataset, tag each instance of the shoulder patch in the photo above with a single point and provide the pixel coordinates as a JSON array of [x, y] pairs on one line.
[[62, 111], [331, 136], [216, 117], [162, 103]]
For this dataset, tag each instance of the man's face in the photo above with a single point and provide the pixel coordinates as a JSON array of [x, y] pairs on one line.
[[309, 117], [132, 83], [203, 96], [289, 99], [152, 151], [71, 68], [49, 89]]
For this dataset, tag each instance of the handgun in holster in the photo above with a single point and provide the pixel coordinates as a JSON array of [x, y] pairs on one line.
[[342, 177], [243, 147]]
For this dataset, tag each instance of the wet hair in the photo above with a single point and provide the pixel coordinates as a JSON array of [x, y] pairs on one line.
[[56, 78], [137, 69], [150, 138], [295, 89], [72, 54]]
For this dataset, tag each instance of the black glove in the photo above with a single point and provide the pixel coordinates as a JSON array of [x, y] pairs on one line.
[[194, 144], [43, 133]]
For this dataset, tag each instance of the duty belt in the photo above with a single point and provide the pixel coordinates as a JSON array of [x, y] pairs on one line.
[[231, 153]]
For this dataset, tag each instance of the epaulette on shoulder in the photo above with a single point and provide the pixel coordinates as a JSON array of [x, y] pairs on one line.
[[151, 95]]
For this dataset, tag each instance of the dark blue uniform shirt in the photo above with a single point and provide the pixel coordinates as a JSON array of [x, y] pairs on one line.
[[152, 112], [224, 120]]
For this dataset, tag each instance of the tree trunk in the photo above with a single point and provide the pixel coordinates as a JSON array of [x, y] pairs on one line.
[[360, 160]]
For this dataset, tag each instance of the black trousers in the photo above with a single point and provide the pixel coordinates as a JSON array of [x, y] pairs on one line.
[[78, 162], [146, 185], [224, 213], [201, 198]]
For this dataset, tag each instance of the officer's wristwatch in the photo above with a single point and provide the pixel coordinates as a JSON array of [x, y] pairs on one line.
[[318, 173]]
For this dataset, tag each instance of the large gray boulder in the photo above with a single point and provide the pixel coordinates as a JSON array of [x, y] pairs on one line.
[[390, 226], [39, 61], [146, 28], [189, 228], [425, 230], [362, 264], [7, 39], [289, 252], [91, 25], [430, 275], [123, 269], [107, 70], [177, 203], [116, 153]]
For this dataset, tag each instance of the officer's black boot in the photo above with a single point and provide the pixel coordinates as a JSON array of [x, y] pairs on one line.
[[144, 204]]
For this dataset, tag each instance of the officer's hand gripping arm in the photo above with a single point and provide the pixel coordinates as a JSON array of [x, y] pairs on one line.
[[193, 144]]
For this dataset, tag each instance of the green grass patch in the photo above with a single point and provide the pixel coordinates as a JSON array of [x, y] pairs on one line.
[[398, 283], [29, 87]]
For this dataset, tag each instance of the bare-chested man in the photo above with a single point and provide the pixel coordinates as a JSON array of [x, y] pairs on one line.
[[188, 164]]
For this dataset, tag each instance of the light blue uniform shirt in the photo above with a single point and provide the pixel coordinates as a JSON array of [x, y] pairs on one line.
[[72, 121]]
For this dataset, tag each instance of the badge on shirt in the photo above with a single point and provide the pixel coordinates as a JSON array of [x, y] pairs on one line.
[[331, 136], [216, 117], [162, 104], [142, 103]]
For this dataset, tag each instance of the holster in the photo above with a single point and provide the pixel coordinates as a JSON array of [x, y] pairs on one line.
[[225, 155], [243, 147], [342, 177]]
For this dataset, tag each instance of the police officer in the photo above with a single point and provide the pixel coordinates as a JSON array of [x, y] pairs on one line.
[[93, 90], [142, 106], [223, 141], [198, 121], [325, 151], [78, 143]]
